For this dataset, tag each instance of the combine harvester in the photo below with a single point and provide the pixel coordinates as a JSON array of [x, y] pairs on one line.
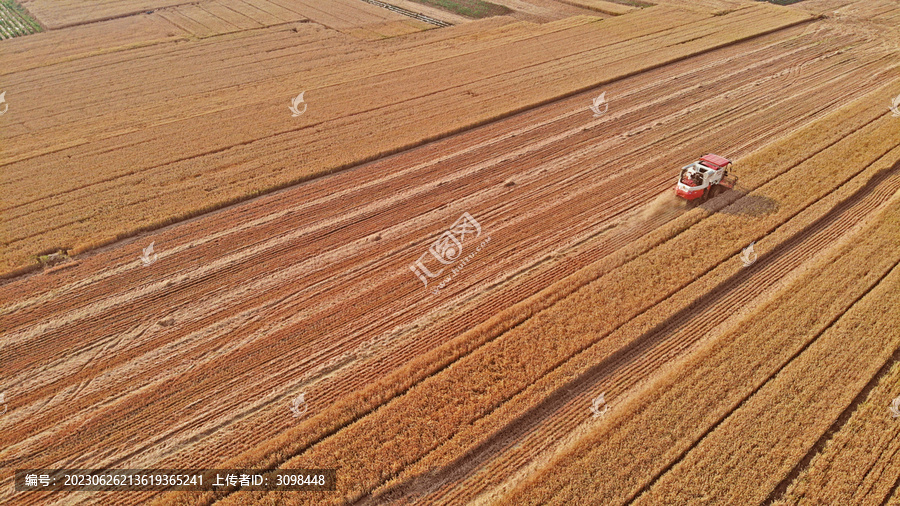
[[704, 179]]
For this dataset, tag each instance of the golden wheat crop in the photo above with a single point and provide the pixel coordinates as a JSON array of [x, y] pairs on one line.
[[859, 460]]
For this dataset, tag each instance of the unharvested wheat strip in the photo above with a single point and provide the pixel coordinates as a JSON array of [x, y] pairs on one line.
[[79, 12], [758, 444], [319, 12], [602, 6], [87, 101], [860, 461], [215, 24], [57, 15], [154, 89], [490, 27], [640, 438], [89, 97], [344, 14], [203, 24], [273, 9], [398, 28], [51, 48]]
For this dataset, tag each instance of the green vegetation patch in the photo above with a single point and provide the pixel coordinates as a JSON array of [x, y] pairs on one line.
[[14, 21], [470, 8]]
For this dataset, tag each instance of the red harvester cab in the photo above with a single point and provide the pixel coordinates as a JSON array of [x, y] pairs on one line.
[[704, 179]]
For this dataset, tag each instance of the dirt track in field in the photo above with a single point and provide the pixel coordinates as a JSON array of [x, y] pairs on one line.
[[196, 357]]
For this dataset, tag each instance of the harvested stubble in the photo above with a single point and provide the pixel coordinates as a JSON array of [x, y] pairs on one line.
[[476, 384], [644, 437], [240, 148]]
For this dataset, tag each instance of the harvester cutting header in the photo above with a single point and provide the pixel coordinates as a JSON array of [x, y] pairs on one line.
[[704, 179]]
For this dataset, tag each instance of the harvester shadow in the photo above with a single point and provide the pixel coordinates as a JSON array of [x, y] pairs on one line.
[[511, 434], [744, 204]]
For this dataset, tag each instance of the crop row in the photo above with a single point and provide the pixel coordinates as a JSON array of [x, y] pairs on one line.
[[14, 21]]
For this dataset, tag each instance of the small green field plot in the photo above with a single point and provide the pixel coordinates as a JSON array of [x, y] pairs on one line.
[[14, 21], [470, 8]]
